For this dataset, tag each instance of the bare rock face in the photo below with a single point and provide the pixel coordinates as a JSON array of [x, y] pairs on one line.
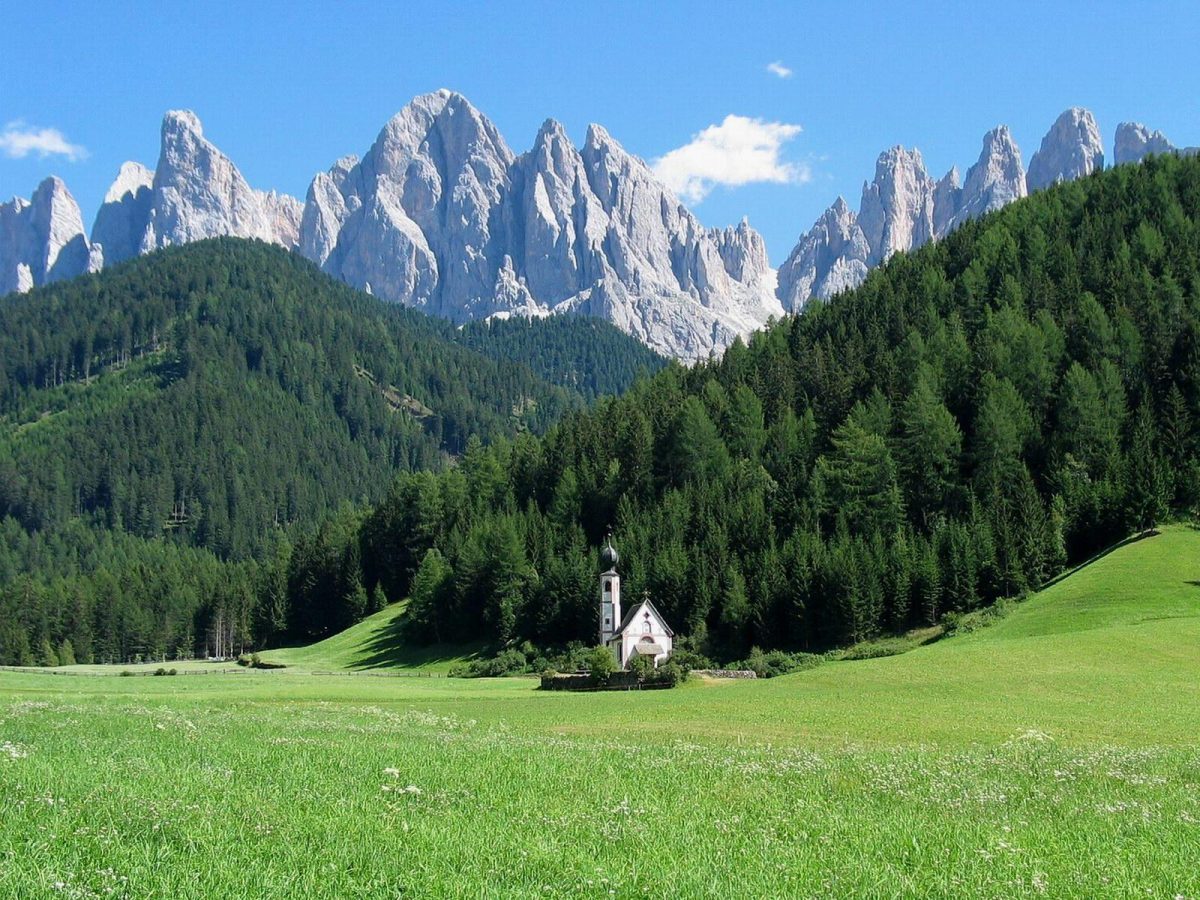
[[1071, 149], [441, 215], [947, 200], [196, 192], [42, 240], [283, 214], [418, 211], [326, 210], [199, 193], [121, 222], [896, 212], [1134, 142], [555, 224], [996, 180], [743, 252], [831, 258], [901, 209]]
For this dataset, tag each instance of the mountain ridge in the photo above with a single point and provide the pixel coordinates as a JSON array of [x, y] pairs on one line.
[[441, 214]]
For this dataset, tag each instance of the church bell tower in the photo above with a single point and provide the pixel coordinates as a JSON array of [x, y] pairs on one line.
[[610, 592]]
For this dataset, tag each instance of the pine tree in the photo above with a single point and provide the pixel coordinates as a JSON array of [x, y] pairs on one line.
[[1147, 483], [858, 481], [431, 589], [930, 444], [66, 653]]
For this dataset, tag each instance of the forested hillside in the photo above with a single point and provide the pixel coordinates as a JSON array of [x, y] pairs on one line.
[[590, 356], [974, 417], [222, 396]]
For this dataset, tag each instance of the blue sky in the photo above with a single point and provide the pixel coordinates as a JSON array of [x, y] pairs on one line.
[[286, 88]]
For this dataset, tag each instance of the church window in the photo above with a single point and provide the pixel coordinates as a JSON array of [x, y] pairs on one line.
[[646, 627], [608, 587]]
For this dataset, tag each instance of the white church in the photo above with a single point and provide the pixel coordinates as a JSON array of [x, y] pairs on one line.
[[643, 632]]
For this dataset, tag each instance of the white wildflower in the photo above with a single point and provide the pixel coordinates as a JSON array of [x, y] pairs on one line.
[[9, 750]]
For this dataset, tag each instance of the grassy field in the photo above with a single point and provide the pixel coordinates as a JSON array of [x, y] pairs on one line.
[[1052, 754]]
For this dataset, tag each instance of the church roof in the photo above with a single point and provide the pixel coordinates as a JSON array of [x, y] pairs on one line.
[[643, 649], [633, 612]]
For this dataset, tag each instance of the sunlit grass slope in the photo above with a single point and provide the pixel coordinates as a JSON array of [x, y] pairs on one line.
[[375, 643], [1140, 582]]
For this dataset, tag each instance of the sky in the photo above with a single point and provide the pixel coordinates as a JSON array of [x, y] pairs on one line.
[[763, 110]]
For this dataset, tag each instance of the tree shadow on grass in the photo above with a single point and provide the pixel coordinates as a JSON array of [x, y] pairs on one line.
[[1132, 539], [391, 648]]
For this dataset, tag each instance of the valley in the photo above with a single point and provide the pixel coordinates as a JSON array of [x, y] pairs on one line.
[[1052, 752]]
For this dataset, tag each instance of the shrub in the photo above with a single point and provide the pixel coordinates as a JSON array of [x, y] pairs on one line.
[[878, 649], [669, 673], [776, 662], [509, 662], [254, 661], [642, 667], [965, 623], [601, 664], [687, 659]]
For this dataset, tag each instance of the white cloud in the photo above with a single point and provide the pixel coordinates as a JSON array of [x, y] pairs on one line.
[[738, 151], [779, 70], [18, 140]]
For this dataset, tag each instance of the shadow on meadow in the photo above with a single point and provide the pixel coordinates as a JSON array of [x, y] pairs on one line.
[[1132, 539], [390, 647]]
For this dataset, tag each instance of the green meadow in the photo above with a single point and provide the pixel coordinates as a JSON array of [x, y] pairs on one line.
[[1053, 753]]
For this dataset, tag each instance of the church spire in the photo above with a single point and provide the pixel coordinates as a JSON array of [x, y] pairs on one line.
[[610, 592], [609, 556]]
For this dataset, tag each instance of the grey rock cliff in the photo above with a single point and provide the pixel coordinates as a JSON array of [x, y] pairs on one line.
[[995, 180], [1071, 149], [195, 192], [896, 212], [440, 214], [1134, 142], [42, 239], [831, 257], [121, 222], [902, 208]]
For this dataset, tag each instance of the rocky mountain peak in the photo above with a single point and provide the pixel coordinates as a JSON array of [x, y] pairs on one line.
[[121, 221], [830, 258], [743, 252], [996, 179], [896, 212], [181, 122], [1071, 149], [947, 198], [42, 239], [1134, 142]]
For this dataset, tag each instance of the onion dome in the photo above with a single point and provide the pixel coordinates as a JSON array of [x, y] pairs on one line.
[[608, 555]]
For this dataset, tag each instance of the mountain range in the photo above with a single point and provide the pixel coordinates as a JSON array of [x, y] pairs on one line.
[[441, 215]]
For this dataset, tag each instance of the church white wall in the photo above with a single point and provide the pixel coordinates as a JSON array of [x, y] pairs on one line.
[[637, 630]]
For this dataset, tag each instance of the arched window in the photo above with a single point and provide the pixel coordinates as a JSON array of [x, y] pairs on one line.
[[608, 587]]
